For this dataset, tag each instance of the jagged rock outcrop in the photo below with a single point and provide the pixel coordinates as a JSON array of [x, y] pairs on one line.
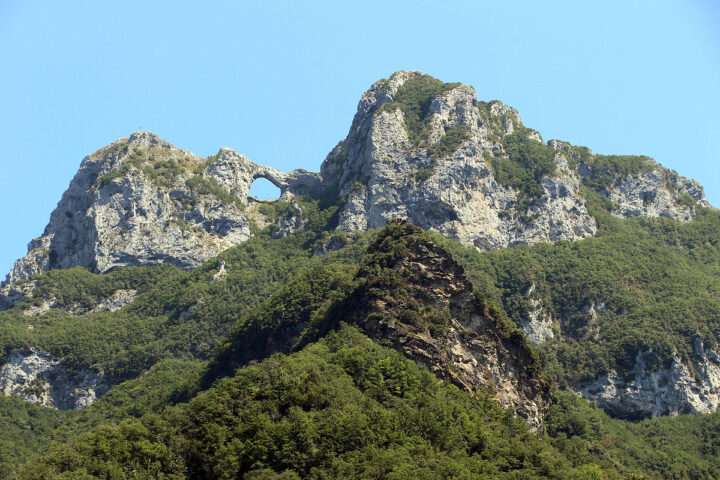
[[648, 392], [14, 292], [417, 299], [38, 377], [411, 295], [417, 149], [142, 201], [114, 302], [387, 173], [539, 325], [657, 193], [647, 189]]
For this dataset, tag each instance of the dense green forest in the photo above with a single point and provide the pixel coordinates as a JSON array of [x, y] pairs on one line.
[[271, 282], [347, 408]]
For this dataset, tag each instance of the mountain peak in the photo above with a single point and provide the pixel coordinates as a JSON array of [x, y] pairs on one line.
[[411, 295], [418, 149], [430, 152], [146, 138]]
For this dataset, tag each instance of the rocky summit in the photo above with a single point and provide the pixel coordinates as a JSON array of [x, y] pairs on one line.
[[454, 327], [142, 201], [418, 149], [448, 288], [471, 171]]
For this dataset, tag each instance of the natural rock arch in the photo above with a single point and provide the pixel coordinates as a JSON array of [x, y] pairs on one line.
[[261, 189]]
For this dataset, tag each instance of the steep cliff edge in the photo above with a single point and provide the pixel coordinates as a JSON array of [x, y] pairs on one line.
[[418, 149], [142, 201], [38, 377], [414, 297], [648, 391], [408, 294], [422, 150]]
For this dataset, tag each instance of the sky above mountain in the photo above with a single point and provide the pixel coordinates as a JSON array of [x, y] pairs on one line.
[[279, 81]]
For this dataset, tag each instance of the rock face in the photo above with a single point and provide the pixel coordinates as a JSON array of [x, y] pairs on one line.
[[12, 293], [418, 300], [538, 327], [657, 193], [141, 201], [666, 391], [114, 302], [417, 149], [647, 190], [386, 175], [38, 377]]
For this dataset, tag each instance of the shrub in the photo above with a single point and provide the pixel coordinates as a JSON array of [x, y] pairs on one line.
[[527, 162], [414, 98]]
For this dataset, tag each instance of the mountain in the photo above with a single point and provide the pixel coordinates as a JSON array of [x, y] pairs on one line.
[[430, 152], [142, 201], [411, 295], [445, 280], [418, 149]]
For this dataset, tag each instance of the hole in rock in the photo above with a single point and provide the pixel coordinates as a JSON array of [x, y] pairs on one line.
[[263, 189]]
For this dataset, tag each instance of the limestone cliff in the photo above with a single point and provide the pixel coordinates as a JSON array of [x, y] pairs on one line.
[[431, 153], [652, 392], [418, 149], [39, 377], [142, 201]]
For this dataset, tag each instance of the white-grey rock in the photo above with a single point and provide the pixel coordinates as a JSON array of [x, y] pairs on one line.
[[36, 260], [385, 176], [290, 222], [15, 292], [123, 209], [221, 273], [653, 392], [654, 191], [116, 301], [39, 309], [656, 194], [38, 377], [377, 167], [539, 326]]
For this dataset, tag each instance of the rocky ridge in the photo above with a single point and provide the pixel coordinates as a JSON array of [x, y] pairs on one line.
[[378, 167], [114, 302], [142, 201], [417, 149], [441, 162], [649, 392], [457, 192], [416, 298]]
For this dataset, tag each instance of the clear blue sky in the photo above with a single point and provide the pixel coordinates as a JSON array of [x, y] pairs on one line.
[[279, 81]]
